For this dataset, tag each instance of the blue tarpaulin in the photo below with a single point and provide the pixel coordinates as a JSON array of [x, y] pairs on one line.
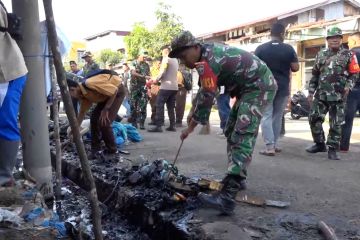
[[125, 132]]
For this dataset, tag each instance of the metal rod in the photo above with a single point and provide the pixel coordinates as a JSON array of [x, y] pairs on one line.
[[176, 157]]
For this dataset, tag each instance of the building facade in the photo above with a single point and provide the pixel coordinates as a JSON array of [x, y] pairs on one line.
[[305, 30]]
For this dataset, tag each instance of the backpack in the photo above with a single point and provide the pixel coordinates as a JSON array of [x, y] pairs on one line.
[[14, 24], [188, 81], [105, 82]]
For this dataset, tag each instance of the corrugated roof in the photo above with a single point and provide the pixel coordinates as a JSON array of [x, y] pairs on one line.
[[120, 33], [278, 16]]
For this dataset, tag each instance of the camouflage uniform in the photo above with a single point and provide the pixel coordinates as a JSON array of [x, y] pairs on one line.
[[88, 68], [330, 78], [248, 79], [138, 93]]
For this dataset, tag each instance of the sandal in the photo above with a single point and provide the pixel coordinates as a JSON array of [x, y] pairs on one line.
[[267, 152]]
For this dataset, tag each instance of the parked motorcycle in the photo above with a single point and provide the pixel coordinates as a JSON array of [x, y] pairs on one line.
[[300, 106]]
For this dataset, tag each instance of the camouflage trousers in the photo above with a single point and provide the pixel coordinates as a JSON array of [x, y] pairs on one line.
[[317, 115], [138, 104], [242, 129]]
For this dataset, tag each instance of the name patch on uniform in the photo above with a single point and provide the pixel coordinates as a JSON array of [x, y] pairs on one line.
[[207, 77], [354, 65]]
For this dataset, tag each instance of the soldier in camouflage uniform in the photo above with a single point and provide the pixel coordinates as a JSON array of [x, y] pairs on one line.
[[90, 64], [333, 74], [138, 91], [245, 77]]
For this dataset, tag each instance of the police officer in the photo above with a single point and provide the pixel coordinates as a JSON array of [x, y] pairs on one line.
[[249, 79], [333, 74]]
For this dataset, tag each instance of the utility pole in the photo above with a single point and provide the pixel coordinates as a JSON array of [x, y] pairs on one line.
[[33, 115]]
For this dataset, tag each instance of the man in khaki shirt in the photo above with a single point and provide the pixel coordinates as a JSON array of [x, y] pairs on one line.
[[12, 80], [108, 94]]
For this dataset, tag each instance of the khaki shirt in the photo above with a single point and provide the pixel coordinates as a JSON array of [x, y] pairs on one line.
[[12, 64], [88, 98], [180, 79], [98, 89]]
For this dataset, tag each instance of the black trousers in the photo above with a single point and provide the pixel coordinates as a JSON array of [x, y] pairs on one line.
[[167, 97], [352, 105]]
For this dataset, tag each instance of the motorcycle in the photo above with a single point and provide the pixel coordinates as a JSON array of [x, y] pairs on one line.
[[300, 106]]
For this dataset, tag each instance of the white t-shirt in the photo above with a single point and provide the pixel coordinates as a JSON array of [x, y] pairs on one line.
[[168, 74]]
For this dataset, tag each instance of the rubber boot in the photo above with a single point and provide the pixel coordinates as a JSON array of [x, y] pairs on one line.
[[317, 147], [332, 154], [224, 199], [155, 129], [152, 123], [8, 156], [171, 128], [134, 124]]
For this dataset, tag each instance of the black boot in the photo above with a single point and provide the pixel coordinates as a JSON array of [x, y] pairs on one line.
[[8, 156], [171, 129], [155, 129], [142, 126], [224, 199], [317, 147], [152, 123], [332, 154]]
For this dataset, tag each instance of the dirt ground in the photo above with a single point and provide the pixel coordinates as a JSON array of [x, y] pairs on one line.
[[317, 188]]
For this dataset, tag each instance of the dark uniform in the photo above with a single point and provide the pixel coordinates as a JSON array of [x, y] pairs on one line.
[[352, 105]]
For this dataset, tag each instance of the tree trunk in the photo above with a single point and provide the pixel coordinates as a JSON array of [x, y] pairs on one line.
[[61, 79]]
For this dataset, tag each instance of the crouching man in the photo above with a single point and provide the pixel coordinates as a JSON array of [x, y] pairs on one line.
[[245, 77], [107, 91]]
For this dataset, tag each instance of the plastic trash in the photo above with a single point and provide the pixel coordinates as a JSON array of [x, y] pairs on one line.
[[35, 213], [7, 216], [55, 223]]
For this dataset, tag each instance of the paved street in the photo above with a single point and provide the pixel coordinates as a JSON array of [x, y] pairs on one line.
[[317, 188]]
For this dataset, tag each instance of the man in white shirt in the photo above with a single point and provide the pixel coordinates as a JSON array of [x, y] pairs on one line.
[[168, 90]]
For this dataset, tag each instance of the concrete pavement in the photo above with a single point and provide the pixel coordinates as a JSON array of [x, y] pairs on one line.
[[318, 189]]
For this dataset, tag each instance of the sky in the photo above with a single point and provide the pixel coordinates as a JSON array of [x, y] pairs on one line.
[[82, 18]]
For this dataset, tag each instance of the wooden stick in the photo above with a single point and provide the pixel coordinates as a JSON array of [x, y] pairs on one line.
[[55, 109], [61, 79], [327, 231]]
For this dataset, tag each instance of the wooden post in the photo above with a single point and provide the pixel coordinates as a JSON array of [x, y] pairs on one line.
[[61, 79], [55, 110]]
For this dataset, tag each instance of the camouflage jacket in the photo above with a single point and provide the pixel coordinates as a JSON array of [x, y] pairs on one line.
[[88, 68], [239, 71], [139, 82], [330, 74]]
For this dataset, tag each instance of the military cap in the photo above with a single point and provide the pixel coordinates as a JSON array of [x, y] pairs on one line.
[[86, 54], [181, 42], [334, 31]]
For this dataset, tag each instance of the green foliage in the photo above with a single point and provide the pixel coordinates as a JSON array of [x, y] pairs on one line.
[[107, 56], [139, 39], [167, 27]]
